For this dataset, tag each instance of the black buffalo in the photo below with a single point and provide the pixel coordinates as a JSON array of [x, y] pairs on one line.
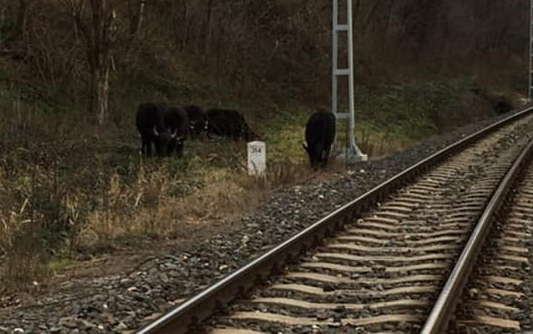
[[157, 128], [319, 136], [228, 123], [150, 123], [176, 123], [197, 120]]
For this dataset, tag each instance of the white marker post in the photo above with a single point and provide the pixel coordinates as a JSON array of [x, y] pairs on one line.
[[257, 158]]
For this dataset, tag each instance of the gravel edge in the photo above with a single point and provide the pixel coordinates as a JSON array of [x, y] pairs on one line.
[[121, 303]]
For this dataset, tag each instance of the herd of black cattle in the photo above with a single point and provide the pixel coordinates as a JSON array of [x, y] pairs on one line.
[[166, 128]]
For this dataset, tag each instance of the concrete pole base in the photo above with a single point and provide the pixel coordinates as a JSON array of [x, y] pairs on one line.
[[350, 156]]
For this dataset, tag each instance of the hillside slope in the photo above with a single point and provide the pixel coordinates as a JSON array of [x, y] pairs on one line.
[[422, 69]]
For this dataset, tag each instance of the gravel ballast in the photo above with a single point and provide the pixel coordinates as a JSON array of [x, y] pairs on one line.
[[126, 302]]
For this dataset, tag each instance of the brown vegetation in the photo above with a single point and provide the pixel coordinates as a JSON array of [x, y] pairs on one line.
[[271, 48], [75, 197], [65, 192]]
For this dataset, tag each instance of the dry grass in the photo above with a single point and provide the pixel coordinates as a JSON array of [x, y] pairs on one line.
[[148, 207], [71, 196], [36, 216], [67, 194]]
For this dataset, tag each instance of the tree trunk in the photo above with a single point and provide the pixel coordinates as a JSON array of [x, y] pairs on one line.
[[137, 17], [99, 92], [100, 34], [185, 18], [22, 18], [207, 27]]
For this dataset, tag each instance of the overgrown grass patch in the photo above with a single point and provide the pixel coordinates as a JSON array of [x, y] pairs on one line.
[[284, 135], [70, 193], [78, 195]]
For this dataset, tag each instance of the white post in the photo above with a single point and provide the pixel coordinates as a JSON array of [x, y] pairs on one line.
[[256, 158]]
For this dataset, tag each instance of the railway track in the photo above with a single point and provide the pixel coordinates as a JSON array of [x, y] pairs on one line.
[[378, 264], [499, 298]]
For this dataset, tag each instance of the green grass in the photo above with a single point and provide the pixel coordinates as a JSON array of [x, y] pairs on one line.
[[284, 135], [388, 118], [58, 266], [88, 193]]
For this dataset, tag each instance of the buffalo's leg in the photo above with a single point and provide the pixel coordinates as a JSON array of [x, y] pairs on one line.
[[325, 158], [314, 158], [146, 146], [179, 150], [170, 148], [147, 143]]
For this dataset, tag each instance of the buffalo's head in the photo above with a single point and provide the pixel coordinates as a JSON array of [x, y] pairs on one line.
[[197, 126], [317, 155], [176, 143], [163, 141], [248, 134]]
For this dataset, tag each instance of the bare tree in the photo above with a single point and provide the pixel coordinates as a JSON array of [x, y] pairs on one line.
[[22, 18], [207, 25], [137, 8], [99, 30], [98, 26]]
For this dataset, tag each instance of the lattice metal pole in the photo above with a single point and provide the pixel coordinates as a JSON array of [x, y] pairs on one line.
[[354, 154], [530, 88], [335, 58]]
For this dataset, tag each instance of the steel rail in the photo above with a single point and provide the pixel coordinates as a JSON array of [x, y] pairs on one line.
[[443, 309], [204, 304]]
